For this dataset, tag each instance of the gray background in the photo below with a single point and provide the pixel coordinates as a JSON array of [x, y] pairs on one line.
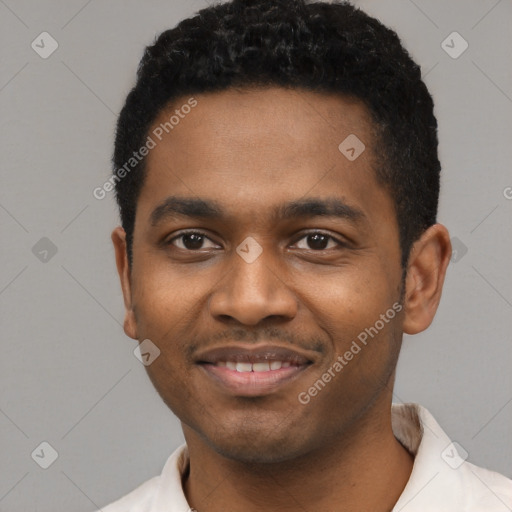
[[68, 373]]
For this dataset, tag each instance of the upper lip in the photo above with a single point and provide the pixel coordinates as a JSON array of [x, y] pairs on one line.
[[254, 354]]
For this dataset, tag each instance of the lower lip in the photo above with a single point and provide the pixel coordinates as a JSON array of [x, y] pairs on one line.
[[252, 383]]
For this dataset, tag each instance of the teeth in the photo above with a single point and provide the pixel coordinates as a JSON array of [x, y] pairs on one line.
[[243, 367], [262, 366]]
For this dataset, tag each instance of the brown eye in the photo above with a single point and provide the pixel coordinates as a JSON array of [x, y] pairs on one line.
[[190, 241], [319, 241]]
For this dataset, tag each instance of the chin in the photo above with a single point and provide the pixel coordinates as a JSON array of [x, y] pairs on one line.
[[267, 453], [257, 444]]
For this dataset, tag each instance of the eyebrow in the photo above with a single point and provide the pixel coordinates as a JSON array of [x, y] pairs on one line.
[[192, 207]]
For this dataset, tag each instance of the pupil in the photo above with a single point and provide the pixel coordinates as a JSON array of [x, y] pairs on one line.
[[194, 241], [316, 237], [197, 241]]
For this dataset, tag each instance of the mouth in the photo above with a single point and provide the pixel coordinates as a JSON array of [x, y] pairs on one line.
[[253, 372]]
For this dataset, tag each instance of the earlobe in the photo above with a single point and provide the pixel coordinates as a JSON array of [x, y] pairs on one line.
[[123, 269], [426, 271]]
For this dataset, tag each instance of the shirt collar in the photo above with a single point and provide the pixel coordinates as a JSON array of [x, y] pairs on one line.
[[441, 481]]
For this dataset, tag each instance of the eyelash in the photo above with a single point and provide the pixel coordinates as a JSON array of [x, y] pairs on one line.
[[304, 235]]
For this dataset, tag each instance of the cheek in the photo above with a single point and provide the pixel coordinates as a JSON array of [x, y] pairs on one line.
[[171, 311], [176, 388], [349, 298], [167, 298], [358, 309]]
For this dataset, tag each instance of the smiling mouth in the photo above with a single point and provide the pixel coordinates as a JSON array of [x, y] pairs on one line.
[[258, 371], [242, 379], [262, 366]]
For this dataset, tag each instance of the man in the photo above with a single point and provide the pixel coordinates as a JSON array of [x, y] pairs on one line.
[[277, 175]]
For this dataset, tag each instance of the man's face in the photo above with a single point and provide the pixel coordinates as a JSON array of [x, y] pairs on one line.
[[255, 275]]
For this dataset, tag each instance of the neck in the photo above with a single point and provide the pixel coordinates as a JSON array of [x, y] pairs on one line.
[[364, 468]]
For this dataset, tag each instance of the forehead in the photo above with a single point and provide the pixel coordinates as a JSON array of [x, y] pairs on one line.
[[272, 116], [255, 148]]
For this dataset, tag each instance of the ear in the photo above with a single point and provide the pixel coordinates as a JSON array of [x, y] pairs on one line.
[[123, 269], [426, 270]]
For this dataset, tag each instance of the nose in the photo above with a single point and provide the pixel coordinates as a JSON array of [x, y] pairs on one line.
[[253, 291]]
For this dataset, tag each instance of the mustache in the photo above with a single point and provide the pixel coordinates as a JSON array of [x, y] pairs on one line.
[[268, 334]]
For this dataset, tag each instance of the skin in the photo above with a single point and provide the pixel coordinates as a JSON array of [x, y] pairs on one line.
[[250, 150]]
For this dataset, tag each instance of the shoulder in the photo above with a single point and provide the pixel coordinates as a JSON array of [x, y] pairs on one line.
[[486, 489], [160, 492], [442, 480], [138, 500]]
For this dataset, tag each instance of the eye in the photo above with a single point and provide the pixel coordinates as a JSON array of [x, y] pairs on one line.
[[195, 240], [190, 241], [318, 241]]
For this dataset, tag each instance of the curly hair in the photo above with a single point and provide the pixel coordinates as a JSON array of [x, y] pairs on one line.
[[315, 46]]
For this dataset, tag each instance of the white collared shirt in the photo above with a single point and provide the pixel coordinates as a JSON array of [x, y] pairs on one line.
[[441, 480]]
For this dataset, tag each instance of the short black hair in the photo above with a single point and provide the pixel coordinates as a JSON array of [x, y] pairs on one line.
[[314, 46]]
